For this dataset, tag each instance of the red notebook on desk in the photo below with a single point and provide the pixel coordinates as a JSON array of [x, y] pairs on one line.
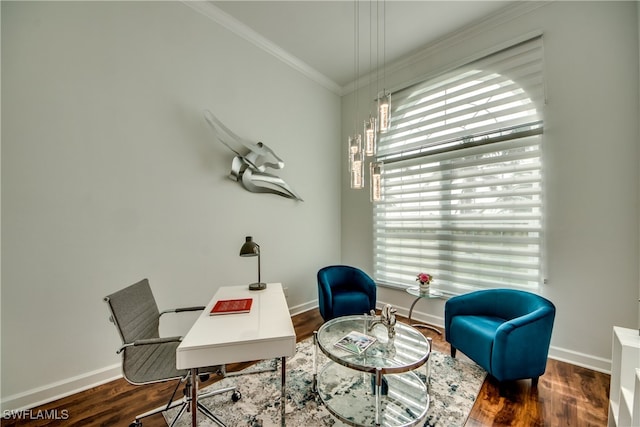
[[232, 306]]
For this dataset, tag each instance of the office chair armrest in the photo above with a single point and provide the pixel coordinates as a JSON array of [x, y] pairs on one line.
[[179, 310], [149, 341]]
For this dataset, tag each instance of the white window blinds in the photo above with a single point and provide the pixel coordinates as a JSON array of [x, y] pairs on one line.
[[462, 179]]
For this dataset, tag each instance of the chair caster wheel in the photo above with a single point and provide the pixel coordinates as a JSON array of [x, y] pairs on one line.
[[136, 423], [236, 396]]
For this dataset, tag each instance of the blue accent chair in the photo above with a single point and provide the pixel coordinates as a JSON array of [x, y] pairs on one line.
[[345, 290], [505, 331]]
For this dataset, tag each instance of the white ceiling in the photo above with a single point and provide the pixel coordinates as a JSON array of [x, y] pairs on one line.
[[320, 34]]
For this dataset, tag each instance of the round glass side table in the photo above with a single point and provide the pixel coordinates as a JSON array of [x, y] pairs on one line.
[[430, 294]]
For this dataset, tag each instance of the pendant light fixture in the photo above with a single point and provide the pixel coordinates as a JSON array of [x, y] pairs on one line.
[[362, 146], [383, 118]]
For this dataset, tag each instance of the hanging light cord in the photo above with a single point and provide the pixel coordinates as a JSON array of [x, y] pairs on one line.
[[377, 47], [384, 44], [356, 62], [370, 50]]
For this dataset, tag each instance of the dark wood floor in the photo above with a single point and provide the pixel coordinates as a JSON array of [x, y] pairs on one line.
[[566, 395]]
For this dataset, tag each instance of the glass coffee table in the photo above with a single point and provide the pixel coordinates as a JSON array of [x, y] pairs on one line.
[[378, 386]]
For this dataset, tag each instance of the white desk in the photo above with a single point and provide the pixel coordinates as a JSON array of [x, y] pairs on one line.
[[266, 332]]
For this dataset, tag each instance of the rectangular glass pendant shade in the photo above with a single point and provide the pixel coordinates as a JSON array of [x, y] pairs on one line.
[[384, 111], [375, 173], [370, 136], [356, 161]]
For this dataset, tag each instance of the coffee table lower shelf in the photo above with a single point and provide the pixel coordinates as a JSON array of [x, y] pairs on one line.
[[348, 394]]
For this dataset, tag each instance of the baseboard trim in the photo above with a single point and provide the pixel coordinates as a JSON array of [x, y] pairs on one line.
[[583, 360], [57, 390], [301, 308]]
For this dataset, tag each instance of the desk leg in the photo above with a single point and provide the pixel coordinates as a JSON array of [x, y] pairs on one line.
[[194, 397], [421, 325], [283, 389]]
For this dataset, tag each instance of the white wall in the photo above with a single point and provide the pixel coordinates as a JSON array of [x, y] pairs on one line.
[[638, 20], [110, 174], [591, 146]]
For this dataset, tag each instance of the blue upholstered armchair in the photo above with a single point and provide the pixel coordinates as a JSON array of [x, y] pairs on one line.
[[505, 331], [345, 290]]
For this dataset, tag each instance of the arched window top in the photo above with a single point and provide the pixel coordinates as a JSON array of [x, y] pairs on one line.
[[498, 93]]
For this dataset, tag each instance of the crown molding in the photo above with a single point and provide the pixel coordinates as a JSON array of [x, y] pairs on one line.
[[222, 18], [446, 42], [461, 35]]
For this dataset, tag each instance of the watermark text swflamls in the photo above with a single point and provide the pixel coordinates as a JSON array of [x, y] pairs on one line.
[[31, 414]]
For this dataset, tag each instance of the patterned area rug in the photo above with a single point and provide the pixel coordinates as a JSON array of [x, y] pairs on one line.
[[454, 387]]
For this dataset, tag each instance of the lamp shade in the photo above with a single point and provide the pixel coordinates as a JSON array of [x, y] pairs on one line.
[[250, 248]]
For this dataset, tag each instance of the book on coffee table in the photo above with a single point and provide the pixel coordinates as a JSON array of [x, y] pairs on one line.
[[355, 342]]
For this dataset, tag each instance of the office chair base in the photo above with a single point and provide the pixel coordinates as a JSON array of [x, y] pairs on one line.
[[184, 405]]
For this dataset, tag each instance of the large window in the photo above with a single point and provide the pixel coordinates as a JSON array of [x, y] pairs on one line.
[[462, 179]]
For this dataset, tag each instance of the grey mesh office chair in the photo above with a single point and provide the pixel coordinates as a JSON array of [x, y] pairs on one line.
[[147, 358]]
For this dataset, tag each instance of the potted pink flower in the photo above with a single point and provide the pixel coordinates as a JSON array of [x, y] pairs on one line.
[[424, 279]]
